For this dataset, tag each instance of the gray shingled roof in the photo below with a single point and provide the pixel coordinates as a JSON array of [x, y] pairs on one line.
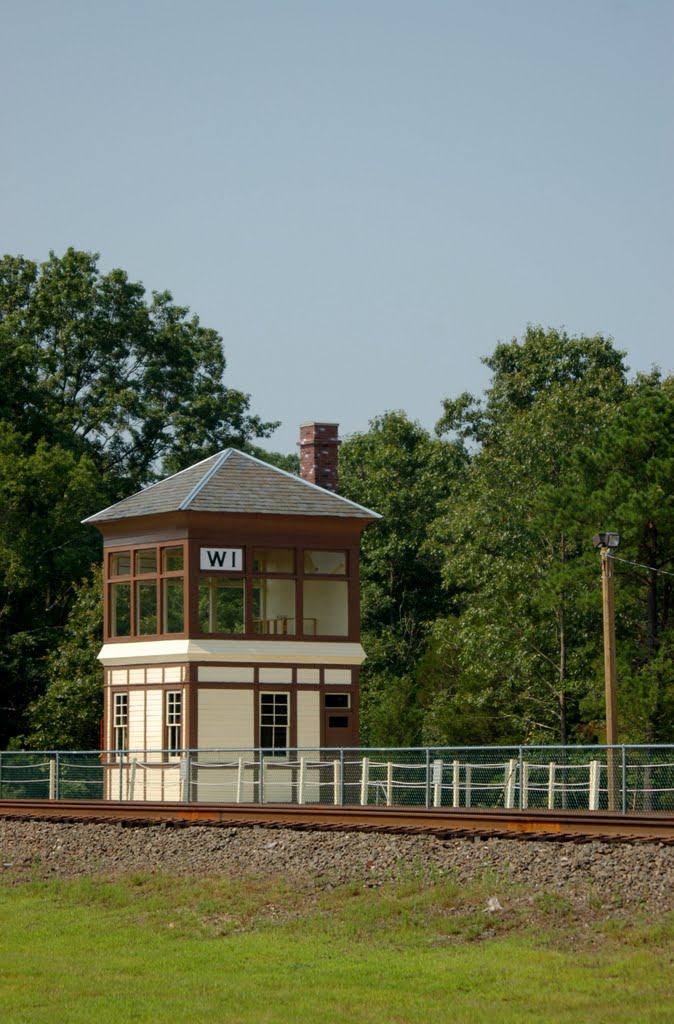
[[234, 482]]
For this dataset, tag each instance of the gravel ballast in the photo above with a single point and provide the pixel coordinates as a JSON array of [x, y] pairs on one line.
[[607, 875]]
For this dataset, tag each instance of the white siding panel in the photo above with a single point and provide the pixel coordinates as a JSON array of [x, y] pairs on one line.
[[119, 677], [160, 783], [173, 674], [278, 782], [136, 676], [225, 674], [154, 735], [109, 742], [137, 720], [309, 719], [308, 675], [155, 675], [341, 676], [226, 719], [276, 675]]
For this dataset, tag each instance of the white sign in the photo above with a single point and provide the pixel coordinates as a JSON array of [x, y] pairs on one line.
[[222, 559]]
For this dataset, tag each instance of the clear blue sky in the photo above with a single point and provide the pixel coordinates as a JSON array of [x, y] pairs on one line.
[[361, 196]]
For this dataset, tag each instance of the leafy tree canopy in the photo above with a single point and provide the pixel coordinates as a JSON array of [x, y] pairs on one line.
[[94, 365], [104, 389], [520, 641], [544, 364], [626, 483], [67, 715], [401, 471]]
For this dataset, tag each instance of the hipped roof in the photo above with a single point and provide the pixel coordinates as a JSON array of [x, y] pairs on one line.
[[232, 481]]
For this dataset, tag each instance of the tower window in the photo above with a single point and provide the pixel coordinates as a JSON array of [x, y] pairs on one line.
[[274, 724], [121, 722], [221, 605], [174, 721]]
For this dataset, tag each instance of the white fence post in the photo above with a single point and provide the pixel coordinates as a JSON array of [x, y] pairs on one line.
[[525, 785], [364, 781], [509, 795], [593, 795], [337, 782], [469, 775], [239, 781], [437, 783], [389, 784], [52, 778], [456, 783], [551, 785], [300, 789], [132, 777]]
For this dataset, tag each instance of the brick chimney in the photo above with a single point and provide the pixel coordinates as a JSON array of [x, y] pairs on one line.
[[318, 446]]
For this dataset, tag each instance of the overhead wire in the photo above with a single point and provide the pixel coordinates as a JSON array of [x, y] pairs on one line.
[[640, 565]]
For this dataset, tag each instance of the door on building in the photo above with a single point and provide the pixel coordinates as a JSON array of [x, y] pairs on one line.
[[337, 718]]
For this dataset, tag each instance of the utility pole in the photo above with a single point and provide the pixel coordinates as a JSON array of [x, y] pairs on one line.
[[607, 542]]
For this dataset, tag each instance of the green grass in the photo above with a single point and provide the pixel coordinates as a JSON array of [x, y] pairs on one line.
[[156, 949]]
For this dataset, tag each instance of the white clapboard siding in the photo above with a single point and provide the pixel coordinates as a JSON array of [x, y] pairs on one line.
[[226, 719], [308, 718], [154, 728], [137, 720], [341, 676]]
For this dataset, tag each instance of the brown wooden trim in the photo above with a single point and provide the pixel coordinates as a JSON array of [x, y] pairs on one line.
[[190, 725], [195, 530], [133, 579], [192, 573], [192, 702], [264, 529]]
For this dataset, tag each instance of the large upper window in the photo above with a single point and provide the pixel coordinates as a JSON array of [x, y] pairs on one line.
[[120, 609], [146, 592], [274, 560], [276, 592], [325, 563], [326, 607], [274, 606], [221, 605]]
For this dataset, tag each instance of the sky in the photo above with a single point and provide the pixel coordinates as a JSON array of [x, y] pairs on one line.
[[361, 196]]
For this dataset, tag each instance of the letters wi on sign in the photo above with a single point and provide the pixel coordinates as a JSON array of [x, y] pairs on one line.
[[221, 559]]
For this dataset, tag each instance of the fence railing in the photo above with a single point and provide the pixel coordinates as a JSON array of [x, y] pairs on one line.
[[621, 778]]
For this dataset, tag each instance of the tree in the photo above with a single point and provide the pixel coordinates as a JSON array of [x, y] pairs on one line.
[[44, 493], [626, 483], [68, 713], [520, 645], [92, 365], [103, 391], [398, 469]]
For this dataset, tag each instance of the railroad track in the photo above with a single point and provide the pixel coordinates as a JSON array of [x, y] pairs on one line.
[[445, 823]]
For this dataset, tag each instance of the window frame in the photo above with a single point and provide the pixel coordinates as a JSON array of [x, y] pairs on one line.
[[271, 750], [120, 723], [344, 698], [173, 722], [135, 579], [292, 624]]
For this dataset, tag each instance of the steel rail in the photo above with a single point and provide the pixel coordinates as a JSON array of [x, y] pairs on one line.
[[446, 823]]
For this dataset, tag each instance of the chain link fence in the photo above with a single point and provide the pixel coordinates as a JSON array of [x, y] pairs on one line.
[[622, 778]]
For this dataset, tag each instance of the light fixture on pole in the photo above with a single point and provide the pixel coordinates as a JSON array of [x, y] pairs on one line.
[[607, 542]]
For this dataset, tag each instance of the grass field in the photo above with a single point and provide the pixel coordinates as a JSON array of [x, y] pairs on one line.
[[156, 949]]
